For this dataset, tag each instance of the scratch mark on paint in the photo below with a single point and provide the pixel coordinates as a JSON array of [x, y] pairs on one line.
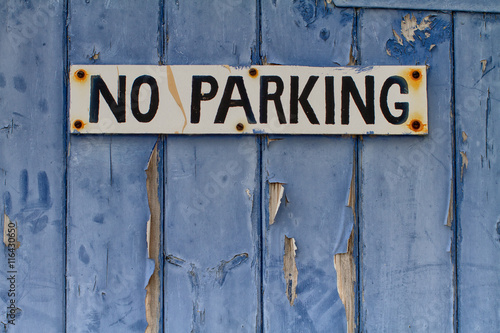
[[488, 109], [10, 233], [172, 87], [465, 163], [154, 243], [225, 266], [175, 260], [450, 207], [276, 191], [290, 269]]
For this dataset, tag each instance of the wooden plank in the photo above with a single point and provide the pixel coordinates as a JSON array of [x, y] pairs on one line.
[[212, 227], [406, 186], [107, 267], [477, 98], [32, 164], [317, 171]]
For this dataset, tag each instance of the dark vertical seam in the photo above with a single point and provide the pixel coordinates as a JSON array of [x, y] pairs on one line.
[[261, 230], [162, 168], [454, 138], [258, 39], [66, 140], [357, 169], [260, 140]]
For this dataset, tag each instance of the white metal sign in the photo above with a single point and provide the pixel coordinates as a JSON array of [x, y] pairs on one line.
[[259, 99]]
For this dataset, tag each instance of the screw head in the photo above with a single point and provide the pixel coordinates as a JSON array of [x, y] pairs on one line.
[[415, 74], [80, 74], [416, 125], [78, 124], [252, 72], [240, 127]]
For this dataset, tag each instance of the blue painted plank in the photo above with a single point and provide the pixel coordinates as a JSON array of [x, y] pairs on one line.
[[406, 187], [488, 6], [317, 172], [316, 34], [477, 78], [212, 186], [32, 164], [108, 204]]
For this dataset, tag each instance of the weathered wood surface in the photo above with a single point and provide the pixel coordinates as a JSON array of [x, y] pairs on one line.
[[406, 186], [212, 187], [107, 266], [84, 199], [316, 172], [32, 163], [477, 91]]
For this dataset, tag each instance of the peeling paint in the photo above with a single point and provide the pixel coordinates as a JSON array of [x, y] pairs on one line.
[[416, 40], [398, 38], [409, 26], [346, 279], [272, 140], [10, 232], [344, 262], [290, 269], [464, 136], [276, 191], [465, 163], [153, 289], [484, 62]]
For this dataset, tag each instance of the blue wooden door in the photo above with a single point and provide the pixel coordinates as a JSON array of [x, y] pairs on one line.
[[133, 233]]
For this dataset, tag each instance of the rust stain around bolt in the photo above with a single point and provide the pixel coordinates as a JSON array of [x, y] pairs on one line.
[[78, 124], [240, 127], [253, 72], [416, 125], [414, 77], [80, 75]]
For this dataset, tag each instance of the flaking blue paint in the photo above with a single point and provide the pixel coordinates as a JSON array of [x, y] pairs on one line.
[[420, 50]]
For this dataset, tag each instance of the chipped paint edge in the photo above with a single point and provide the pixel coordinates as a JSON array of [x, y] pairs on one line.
[[153, 288]]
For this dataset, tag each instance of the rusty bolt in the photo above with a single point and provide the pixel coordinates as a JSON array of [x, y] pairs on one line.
[[240, 127], [78, 124], [416, 125], [252, 72], [415, 74], [80, 74]]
